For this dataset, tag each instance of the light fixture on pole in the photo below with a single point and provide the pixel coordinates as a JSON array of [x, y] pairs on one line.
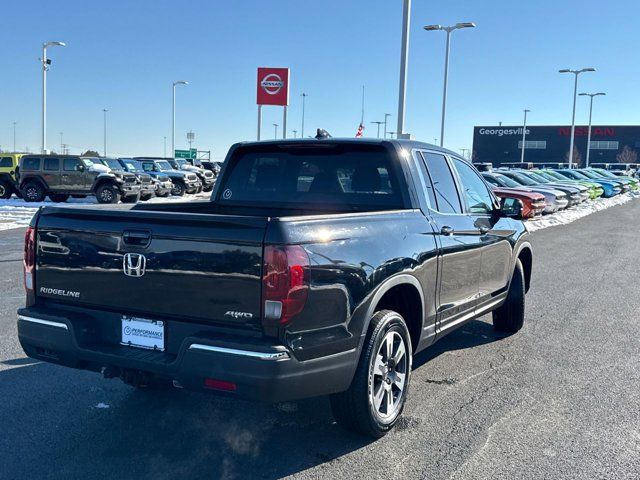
[[304, 98], [295, 133], [573, 115], [386, 116], [448, 31], [378, 123], [104, 130], [45, 66], [591, 95], [524, 135], [391, 134], [173, 115], [275, 125]]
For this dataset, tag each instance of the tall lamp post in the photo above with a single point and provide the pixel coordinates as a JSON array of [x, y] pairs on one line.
[[524, 135], [173, 115], [378, 123], [45, 66], [448, 30], [573, 115], [14, 137], [304, 98], [591, 95], [275, 126], [104, 130], [386, 116], [404, 61]]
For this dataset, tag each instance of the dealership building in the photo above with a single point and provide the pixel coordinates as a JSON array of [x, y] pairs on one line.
[[544, 144]]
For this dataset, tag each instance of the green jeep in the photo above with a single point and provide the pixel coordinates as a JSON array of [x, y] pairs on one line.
[[8, 174], [62, 176]]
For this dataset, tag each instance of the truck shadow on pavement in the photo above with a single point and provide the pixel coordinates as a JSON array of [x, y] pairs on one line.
[[88, 427]]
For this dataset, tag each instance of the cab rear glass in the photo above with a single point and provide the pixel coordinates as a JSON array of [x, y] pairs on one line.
[[340, 176]]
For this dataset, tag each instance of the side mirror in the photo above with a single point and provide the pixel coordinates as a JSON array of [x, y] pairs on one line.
[[80, 168], [511, 208]]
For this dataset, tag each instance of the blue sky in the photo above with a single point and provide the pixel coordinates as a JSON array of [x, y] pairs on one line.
[[123, 55]]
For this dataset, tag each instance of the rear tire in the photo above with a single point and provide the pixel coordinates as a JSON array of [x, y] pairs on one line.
[[5, 190], [58, 198], [107, 193], [146, 197], [33, 192], [509, 317], [133, 199], [374, 402]]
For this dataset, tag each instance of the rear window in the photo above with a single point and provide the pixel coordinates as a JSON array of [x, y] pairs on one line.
[[30, 163], [6, 162], [351, 177]]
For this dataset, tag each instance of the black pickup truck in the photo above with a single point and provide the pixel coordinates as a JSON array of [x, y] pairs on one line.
[[318, 267]]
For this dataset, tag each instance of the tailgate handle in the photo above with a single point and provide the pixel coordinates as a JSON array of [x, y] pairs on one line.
[[138, 238]]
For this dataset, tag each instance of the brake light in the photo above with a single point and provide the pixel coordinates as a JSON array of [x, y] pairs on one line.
[[29, 260], [285, 282]]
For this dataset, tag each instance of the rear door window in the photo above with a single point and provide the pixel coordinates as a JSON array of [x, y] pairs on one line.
[[443, 182], [6, 162], [333, 175], [474, 190], [70, 164], [51, 164], [30, 163]]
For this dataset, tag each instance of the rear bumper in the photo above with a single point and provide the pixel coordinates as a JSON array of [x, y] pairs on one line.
[[259, 371]]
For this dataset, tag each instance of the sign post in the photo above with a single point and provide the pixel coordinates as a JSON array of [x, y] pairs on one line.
[[273, 89]]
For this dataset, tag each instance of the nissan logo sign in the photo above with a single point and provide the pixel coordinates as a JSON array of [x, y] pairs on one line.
[[272, 84]]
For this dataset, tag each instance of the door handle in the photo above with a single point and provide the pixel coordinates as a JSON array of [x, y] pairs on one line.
[[446, 230], [484, 230]]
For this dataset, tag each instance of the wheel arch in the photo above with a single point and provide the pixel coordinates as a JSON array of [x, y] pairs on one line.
[[400, 293], [525, 255], [34, 178]]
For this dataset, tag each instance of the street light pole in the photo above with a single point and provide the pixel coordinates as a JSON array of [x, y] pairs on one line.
[[573, 115], [45, 66], [61, 144], [173, 115], [448, 31], [591, 95], [104, 128], [14, 137], [378, 123], [304, 98], [295, 133], [165, 146], [275, 125], [524, 135], [386, 116], [404, 60]]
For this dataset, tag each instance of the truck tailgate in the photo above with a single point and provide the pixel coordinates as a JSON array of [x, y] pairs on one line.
[[200, 267]]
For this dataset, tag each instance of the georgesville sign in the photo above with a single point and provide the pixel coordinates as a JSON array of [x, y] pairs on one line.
[[273, 86]]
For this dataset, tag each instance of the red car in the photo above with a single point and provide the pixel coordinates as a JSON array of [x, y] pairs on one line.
[[533, 204]]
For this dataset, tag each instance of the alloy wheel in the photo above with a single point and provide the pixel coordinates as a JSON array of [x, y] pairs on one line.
[[388, 376]]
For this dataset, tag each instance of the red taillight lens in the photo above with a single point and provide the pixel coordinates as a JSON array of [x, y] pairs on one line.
[[29, 260], [215, 384], [285, 282]]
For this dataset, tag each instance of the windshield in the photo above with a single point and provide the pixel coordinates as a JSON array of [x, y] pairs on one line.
[[131, 165], [506, 181], [163, 165], [546, 176], [603, 173], [538, 177], [181, 163], [112, 163], [88, 162], [521, 178], [351, 177]]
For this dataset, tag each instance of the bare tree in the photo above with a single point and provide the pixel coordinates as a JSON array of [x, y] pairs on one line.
[[627, 155], [577, 157]]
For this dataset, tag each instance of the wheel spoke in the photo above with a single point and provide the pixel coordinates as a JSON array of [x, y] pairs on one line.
[[379, 366], [379, 396], [399, 380], [389, 401], [389, 342], [399, 353]]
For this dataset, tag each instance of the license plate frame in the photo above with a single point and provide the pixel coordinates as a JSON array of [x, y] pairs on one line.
[[142, 333]]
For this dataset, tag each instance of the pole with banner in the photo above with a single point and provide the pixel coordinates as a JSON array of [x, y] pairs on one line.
[[273, 89]]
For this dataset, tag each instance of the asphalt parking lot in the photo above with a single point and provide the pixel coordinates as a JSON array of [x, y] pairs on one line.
[[557, 400]]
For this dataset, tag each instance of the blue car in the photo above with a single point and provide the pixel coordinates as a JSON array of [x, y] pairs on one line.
[[611, 187]]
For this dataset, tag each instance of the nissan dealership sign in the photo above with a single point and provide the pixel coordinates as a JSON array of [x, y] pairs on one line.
[[273, 86]]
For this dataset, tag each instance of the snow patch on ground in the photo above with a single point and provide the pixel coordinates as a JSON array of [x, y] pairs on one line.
[[574, 213], [16, 213]]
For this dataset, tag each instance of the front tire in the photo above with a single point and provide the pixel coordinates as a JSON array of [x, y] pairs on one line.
[[374, 402], [509, 317], [58, 198], [107, 194], [179, 189], [131, 199]]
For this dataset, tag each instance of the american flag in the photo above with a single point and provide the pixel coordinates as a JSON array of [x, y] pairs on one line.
[[360, 131]]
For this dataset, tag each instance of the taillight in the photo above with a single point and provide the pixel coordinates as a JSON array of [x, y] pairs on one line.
[[285, 282], [29, 260]]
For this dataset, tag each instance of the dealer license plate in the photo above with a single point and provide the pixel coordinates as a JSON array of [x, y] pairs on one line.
[[143, 333]]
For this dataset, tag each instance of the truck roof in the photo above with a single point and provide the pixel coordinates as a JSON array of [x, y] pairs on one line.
[[408, 144]]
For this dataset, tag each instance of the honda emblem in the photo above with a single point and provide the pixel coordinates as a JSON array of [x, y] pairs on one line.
[[134, 264]]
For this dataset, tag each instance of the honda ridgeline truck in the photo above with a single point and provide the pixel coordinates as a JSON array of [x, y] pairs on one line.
[[318, 267]]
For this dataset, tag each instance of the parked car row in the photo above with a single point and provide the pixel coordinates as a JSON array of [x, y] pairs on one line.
[[110, 180], [546, 190]]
